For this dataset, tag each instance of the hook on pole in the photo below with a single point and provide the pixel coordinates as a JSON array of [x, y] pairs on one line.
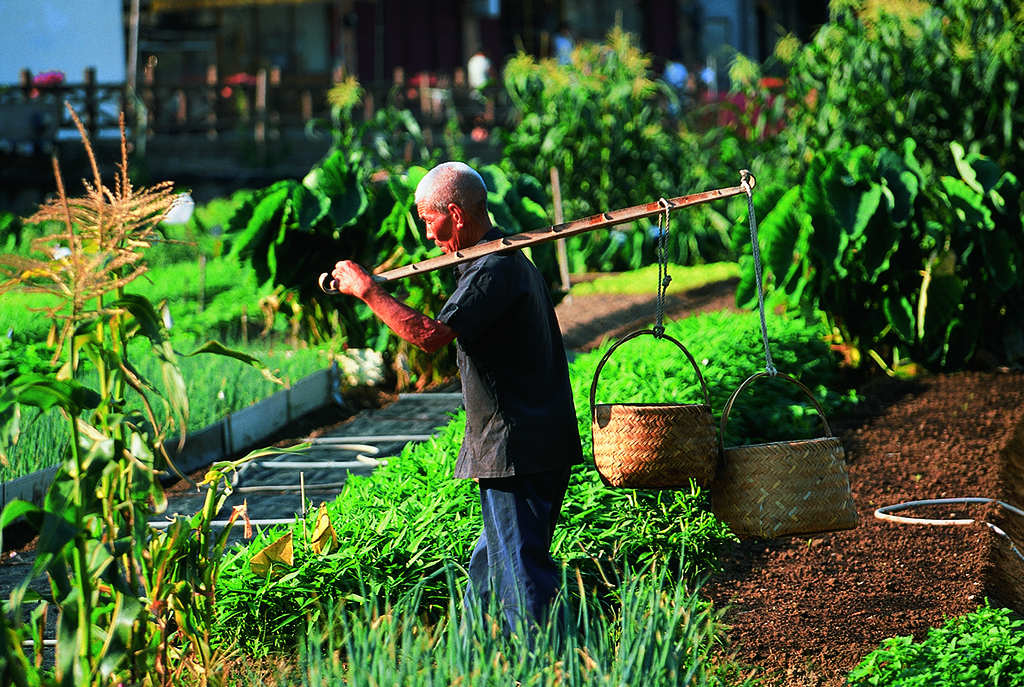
[[326, 283], [747, 181]]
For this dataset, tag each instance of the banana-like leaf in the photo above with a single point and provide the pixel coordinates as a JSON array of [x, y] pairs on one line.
[[278, 554], [45, 393], [151, 325], [217, 348]]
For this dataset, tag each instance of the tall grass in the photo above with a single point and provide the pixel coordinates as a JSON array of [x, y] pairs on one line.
[[658, 633]]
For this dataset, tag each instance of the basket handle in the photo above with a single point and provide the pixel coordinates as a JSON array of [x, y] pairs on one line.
[[633, 335], [777, 375]]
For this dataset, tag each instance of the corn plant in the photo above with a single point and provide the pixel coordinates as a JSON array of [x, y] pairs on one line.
[[110, 581]]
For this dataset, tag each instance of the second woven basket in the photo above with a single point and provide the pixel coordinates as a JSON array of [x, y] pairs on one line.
[[653, 445], [784, 488]]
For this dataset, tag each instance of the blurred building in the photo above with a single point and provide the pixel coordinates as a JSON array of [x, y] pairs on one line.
[[310, 40]]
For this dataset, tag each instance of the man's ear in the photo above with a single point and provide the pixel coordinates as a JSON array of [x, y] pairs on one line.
[[458, 216]]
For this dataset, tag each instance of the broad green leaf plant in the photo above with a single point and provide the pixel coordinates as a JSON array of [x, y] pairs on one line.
[[124, 594], [905, 269]]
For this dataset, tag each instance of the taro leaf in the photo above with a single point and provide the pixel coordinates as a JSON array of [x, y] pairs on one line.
[[901, 184], [340, 183], [900, 315], [878, 244], [861, 163], [497, 183], [781, 230], [217, 348], [967, 204], [324, 539], [825, 237], [1002, 259], [309, 207], [295, 267], [746, 290], [531, 214], [853, 203], [980, 173], [987, 173], [529, 188], [277, 554], [260, 227]]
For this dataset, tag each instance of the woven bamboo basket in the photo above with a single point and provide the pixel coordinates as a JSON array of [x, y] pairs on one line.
[[653, 445], [785, 488]]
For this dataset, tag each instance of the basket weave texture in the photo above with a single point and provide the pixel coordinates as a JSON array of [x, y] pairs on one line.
[[786, 488], [653, 445]]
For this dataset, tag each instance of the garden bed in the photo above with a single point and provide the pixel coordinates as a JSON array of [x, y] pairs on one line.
[[808, 610]]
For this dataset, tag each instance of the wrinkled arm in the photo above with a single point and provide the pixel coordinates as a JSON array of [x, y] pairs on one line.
[[410, 324]]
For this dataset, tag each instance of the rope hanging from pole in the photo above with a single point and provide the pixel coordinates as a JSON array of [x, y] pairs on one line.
[[661, 249], [748, 188]]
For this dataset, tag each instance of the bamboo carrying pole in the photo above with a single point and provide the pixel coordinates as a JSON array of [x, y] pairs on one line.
[[552, 233]]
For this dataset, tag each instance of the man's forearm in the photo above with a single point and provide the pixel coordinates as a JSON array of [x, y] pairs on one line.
[[410, 324]]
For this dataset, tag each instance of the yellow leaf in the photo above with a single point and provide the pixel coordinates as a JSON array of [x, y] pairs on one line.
[[324, 537], [278, 553]]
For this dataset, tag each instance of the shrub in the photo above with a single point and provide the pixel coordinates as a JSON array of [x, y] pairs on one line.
[[903, 266], [982, 648]]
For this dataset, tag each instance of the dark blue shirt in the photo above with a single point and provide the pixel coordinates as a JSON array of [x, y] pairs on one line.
[[520, 416]]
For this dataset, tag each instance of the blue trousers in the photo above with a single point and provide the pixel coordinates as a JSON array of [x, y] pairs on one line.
[[512, 558]]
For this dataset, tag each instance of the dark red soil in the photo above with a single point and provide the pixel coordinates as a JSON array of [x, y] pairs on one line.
[[807, 610]]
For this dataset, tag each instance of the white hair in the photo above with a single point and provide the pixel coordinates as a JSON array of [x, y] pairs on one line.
[[452, 182]]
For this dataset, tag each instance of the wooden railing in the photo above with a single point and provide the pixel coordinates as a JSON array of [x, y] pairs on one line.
[[261, 104]]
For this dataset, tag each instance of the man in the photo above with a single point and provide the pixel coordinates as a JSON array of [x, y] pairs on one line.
[[521, 430]]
